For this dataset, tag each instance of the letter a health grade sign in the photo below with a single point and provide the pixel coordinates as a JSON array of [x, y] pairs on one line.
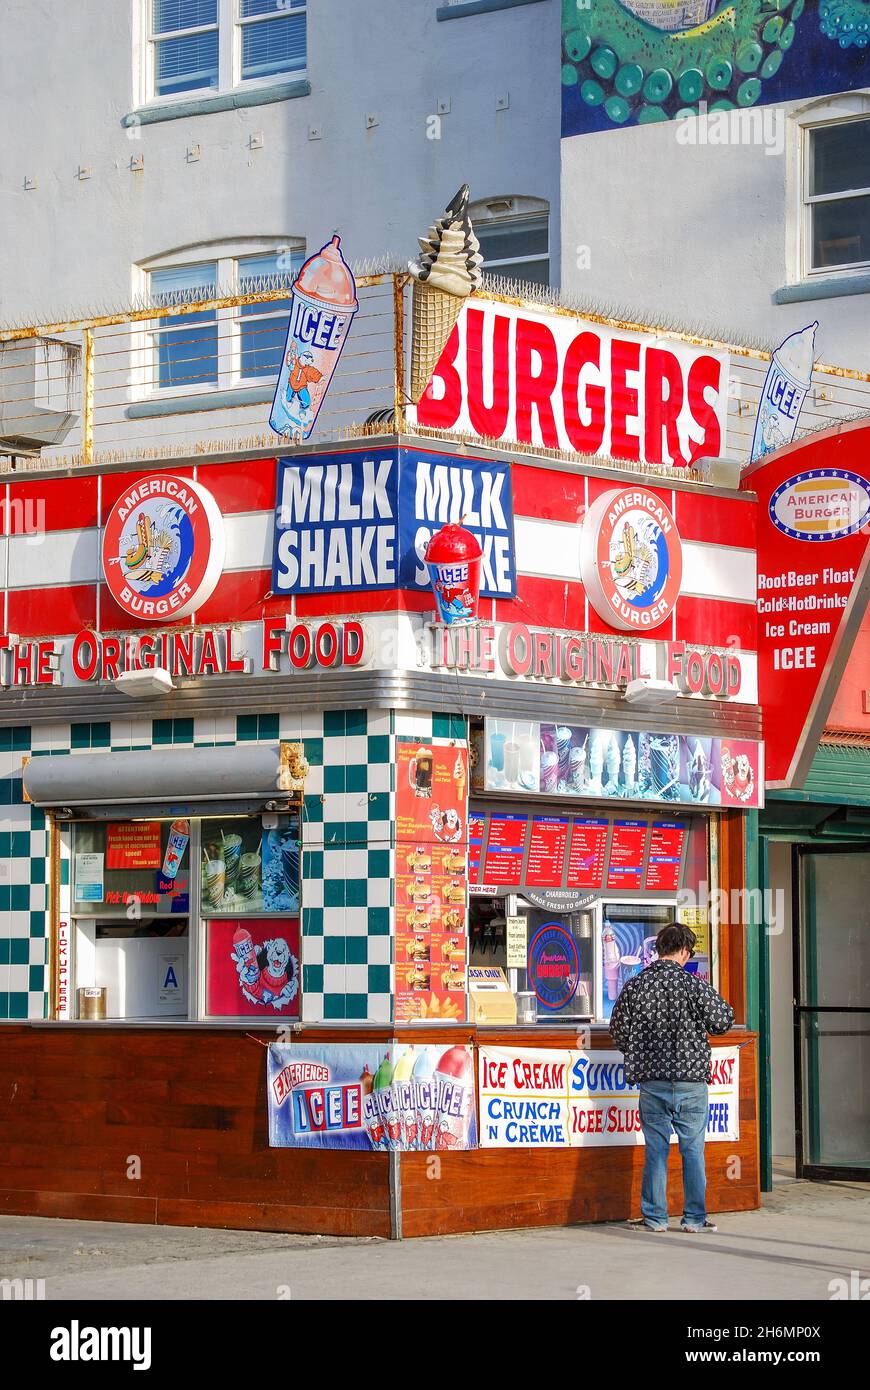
[[361, 520]]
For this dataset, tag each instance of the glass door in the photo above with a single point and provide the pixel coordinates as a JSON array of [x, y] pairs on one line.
[[832, 1012]]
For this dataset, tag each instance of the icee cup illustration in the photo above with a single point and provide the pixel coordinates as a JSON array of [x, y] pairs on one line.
[[788, 379], [322, 305]]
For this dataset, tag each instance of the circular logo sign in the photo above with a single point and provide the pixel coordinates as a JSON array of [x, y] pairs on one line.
[[163, 547], [553, 965], [631, 559], [824, 504]]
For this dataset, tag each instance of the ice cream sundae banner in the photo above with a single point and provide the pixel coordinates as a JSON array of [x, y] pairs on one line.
[[431, 882], [322, 305], [396, 1099], [812, 585], [572, 760], [520, 374], [252, 968], [362, 520], [536, 1098]]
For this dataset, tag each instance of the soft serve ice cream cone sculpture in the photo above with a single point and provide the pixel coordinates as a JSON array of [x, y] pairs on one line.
[[445, 275]]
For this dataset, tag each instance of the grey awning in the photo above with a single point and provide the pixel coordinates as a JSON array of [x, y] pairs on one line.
[[166, 777]]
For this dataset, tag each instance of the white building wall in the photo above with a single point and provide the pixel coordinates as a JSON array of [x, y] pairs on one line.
[[703, 235], [69, 76]]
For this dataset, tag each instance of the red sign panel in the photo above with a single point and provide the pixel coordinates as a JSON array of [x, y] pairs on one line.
[[626, 854], [547, 846], [665, 855], [133, 845], [252, 968], [588, 853], [504, 850], [812, 585]]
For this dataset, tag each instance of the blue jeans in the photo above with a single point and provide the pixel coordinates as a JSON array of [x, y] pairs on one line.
[[681, 1106]]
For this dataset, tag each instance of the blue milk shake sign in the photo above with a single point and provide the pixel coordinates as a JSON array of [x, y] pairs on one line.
[[361, 520]]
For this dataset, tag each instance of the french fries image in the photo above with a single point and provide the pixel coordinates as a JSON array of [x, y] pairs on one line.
[[438, 1008]]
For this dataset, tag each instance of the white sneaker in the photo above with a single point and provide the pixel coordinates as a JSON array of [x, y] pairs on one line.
[[697, 1230]]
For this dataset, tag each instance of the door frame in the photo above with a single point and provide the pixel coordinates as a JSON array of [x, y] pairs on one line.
[[814, 1171]]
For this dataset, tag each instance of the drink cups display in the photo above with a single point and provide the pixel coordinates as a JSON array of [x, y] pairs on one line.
[[215, 874], [249, 875], [453, 559], [231, 848], [322, 306]]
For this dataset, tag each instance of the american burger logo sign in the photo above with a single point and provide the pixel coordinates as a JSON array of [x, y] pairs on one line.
[[631, 559], [163, 548]]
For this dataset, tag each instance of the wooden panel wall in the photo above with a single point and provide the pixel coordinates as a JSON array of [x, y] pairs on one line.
[[77, 1103]]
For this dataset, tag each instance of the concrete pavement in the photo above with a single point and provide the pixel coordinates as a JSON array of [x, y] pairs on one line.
[[806, 1236]]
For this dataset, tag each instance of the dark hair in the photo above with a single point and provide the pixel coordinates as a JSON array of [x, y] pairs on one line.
[[675, 937]]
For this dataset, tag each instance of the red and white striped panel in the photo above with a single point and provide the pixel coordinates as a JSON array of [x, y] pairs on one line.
[[49, 557]]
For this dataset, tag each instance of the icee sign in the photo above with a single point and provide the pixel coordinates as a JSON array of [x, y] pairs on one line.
[[361, 520]]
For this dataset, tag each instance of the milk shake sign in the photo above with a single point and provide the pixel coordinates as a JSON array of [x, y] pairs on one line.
[[361, 521], [517, 374]]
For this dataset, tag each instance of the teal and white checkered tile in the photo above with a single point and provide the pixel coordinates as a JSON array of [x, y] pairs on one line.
[[347, 855]]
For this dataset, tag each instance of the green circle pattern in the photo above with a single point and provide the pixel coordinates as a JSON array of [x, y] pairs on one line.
[[637, 72]]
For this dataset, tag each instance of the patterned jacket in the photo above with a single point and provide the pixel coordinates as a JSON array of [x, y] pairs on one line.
[[660, 1023]]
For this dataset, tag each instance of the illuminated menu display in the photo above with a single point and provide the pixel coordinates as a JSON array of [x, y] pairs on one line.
[[547, 845], [665, 855], [588, 853], [627, 848], [476, 827], [505, 849]]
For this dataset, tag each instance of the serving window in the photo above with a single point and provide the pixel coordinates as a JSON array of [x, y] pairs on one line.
[[186, 918], [565, 906]]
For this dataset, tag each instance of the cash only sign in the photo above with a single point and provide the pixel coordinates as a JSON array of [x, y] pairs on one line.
[[813, 585]]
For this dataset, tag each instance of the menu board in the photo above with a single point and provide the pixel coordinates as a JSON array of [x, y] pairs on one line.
[[547, 845], [627, 849], [476, 830], [665, 855], [505, 849], [588, 853]]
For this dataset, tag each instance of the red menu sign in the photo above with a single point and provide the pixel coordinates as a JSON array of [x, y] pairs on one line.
[[504, 850], [547, 844], [133, 845], [627, 847], [476, 828], [588, 852], [665, 855], [812, 585]]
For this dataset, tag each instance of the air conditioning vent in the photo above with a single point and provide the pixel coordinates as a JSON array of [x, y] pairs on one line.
[[40, 392]]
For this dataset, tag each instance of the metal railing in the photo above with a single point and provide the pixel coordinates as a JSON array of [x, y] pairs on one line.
[[191, 376]]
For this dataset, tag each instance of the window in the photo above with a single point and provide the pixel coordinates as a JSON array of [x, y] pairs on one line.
[[514, 238], [219, 348], [188, 918], [201, 45], [837, 196]]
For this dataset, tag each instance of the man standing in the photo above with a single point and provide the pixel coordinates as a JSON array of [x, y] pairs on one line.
[[660, 1023]]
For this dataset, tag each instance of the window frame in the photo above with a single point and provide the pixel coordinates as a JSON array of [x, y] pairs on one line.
[[226, 258], [809, 201], [229, 22], [524, 210]]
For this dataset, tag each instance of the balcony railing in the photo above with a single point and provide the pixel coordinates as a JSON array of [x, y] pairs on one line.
[[93, 389]]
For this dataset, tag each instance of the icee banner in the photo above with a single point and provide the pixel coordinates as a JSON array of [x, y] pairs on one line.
[[552, 1099], [361, 520]]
